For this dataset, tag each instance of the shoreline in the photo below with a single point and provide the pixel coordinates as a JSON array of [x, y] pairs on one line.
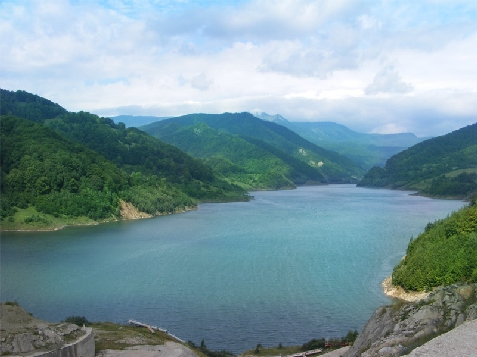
[[396, 292], [132, 214]]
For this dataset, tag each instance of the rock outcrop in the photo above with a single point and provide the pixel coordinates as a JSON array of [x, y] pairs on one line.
[[397, 329], [22, 334]]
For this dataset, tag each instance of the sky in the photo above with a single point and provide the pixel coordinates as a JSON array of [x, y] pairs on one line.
[[374, 66]]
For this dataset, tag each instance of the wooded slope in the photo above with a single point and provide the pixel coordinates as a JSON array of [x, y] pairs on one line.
[[444, 166]]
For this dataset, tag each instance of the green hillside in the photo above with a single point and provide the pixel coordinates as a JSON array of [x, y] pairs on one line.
[[257, 138], [63, 166], [444, 254], [29, 106], [135, 151], [445, 166], [261, 166], [46, 174]]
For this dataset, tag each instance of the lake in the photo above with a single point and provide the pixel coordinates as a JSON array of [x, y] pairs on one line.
[[284, 268]]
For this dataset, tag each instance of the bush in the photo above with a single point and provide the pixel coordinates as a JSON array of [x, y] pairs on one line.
[[313, 344], [77, 320], [12, 303]]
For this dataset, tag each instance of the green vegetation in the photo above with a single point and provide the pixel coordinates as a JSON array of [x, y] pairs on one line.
[[251, 164], [108, 335], [253, 153], [441, 167], [75, 168], [77, 320], [203, 350], [313, 344], [445, 253], [11, 303], [454, 186], [29, 106], [137, 152], [42, 169]]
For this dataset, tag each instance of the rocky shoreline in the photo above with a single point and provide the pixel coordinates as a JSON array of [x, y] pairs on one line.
[[397, 329], [396, 292]]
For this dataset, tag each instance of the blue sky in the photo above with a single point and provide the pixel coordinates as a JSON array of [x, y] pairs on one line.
[[375, 66]]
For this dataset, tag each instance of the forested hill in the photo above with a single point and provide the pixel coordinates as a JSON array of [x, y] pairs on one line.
[[29, 106], [68, 165], [249, 164], [275, 139], [444, 166]]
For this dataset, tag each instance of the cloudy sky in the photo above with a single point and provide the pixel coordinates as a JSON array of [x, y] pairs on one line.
[[375, 66]]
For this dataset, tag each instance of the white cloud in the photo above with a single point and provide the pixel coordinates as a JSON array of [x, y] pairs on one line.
[[387, 80], [201, 82], [306, 60]]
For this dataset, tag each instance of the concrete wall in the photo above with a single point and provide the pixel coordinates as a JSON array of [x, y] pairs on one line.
[[84, 347]]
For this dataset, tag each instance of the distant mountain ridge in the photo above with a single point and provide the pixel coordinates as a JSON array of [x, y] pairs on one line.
[[331, 131], [367, 150], [136, 120], [272, 142]]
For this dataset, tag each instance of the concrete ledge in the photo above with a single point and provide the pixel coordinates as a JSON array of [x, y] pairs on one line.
[[84, 347]]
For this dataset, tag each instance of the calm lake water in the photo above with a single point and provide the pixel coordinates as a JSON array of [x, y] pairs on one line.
[[286, 267]]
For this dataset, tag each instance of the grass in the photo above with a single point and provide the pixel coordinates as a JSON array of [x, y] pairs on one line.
[[30, 219], [108, 335], [458, 172], [274, 351]]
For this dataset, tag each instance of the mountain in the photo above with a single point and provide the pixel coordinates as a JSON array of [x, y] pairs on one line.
[[41, 168], [444, 166], [136, 120], [253, 165], [366, 150], [135, 151], [256, 146], [67, 165]]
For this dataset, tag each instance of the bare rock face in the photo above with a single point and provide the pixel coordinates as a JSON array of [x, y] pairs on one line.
[[20, 333], [128, 211], [397, 329]]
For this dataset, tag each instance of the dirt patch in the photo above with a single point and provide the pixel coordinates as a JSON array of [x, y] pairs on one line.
[[128, 211], [399, 293]]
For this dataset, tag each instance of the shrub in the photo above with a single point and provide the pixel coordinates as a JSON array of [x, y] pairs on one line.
[[77, 320]]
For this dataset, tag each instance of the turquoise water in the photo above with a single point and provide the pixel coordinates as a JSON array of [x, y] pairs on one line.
[[286, 267]]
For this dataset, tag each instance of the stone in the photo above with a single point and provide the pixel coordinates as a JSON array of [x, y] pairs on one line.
[[460, 320], [391, 328], [22, 343], [465, 291]]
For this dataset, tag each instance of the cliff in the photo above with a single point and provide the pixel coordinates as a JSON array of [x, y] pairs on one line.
[[397, 329]]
